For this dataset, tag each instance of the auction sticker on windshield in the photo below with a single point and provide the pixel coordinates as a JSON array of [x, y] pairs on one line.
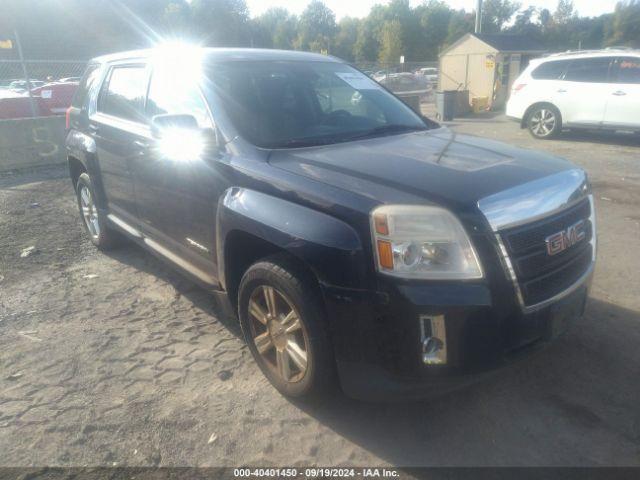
[[357, 80]]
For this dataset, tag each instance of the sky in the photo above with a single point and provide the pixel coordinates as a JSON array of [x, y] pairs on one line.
[[360, 8]]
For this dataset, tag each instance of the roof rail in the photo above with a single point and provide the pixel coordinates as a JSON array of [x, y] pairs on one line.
[[587, 52]]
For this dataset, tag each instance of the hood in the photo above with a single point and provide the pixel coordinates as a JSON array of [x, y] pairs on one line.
[[439, 166]]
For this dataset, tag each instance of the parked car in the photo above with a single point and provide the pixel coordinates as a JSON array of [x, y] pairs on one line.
[[22, 86], [355, 241], [17, 105], [430, 73], [595, 89], [69, 79], [405, 82], [55, 98]]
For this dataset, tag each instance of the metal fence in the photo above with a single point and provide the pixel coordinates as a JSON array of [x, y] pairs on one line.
[[39, 70]]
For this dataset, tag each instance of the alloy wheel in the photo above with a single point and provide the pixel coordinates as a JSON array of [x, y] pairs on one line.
[[278, 333], [89, 211], [543, 122]]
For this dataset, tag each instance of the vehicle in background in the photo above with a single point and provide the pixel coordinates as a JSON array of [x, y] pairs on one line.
[[55, 98], [355, 239], [430, 73], [18, 105], [405, 82], [588, 89], [23, 86], [6, 83], [70, 79]]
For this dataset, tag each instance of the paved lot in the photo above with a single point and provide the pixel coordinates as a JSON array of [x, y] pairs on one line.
[[115, 359]]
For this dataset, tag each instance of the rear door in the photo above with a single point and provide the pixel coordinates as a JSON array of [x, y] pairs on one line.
[[120, 131], [583, 93], [623, 105]]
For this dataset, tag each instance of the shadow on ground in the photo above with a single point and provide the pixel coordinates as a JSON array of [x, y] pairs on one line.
[[566, 406], [575, 403]]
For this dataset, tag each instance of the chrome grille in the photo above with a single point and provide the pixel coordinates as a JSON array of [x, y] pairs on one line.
[[539, 275]]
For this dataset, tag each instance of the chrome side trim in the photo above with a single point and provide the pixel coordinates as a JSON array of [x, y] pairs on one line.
[[124, 225], [504, 257], [169, 255], [181, 262], [534, 200]]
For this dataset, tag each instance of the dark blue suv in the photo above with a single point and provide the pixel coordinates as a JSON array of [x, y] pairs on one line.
[[357, 241]]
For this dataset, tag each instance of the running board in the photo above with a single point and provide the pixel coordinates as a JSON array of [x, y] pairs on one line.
[[168, 254]]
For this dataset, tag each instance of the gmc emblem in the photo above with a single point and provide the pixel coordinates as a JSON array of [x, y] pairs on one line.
[[559, 242]]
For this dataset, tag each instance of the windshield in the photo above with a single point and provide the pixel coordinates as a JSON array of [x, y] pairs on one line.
[[294, 104]]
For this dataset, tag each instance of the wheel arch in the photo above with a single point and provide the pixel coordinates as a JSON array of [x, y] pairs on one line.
[[525, 117], [252, 225]]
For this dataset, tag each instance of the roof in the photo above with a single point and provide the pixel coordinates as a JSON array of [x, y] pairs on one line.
[[229, 54], [607, 52], [510, 43], [503, 42]]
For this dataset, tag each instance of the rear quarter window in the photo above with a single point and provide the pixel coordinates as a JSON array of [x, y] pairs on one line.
[[550, 70], [87, 82]]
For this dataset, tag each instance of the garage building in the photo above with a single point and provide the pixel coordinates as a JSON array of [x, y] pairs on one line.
[[486, 65]]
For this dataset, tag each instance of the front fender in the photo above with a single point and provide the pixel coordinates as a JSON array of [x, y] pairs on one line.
[[330, 247]]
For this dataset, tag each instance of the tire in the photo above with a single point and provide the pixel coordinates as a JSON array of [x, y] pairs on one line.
[[272, 327], [95, 224], [544, 122]]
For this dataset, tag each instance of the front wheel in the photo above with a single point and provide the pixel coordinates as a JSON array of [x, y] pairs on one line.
[[544, 122], [281, 315]]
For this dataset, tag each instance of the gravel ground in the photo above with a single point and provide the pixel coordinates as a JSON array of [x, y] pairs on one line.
[[116, 359]]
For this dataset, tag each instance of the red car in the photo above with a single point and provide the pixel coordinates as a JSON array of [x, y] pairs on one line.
[[55, 98]]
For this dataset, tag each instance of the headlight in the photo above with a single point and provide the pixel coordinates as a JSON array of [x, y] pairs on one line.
[[422, 242]]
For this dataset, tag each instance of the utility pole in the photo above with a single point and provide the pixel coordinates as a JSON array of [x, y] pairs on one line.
[[25, 73], [479, 16]]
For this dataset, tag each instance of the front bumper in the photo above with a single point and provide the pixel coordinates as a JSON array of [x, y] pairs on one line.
[[378, 340]]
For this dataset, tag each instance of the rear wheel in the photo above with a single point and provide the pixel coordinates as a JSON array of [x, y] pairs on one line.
[[101, 235], [282, 319], [544, 122]]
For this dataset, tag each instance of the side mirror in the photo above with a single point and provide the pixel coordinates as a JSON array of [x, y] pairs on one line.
[[167, 122]]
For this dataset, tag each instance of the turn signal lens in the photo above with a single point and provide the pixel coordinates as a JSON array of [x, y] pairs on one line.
[[385, 254]]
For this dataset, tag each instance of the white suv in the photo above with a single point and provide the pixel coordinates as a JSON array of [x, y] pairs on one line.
[[598, 89]]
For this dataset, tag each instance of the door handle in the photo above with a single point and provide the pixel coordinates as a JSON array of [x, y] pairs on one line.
[[619, 93], [93, 128]]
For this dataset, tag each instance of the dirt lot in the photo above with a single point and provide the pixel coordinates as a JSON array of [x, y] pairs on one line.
[[115, 359]]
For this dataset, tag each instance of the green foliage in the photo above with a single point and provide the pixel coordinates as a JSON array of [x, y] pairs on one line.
[[85, 28], [391, 42], [316, 28]]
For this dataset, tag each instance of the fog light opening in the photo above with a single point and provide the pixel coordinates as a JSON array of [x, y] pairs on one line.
[[433, 340]]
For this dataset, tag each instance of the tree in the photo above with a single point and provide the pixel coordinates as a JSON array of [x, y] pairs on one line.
[[316, 28], [624, 27], [345, 41], [221, 22], [275, 28], [495, 13], [435, 17], [460, 23], [564, 12], [391, 42]]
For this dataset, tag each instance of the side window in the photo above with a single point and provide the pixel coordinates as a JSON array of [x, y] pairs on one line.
[[550, 70], [170, 92], [123, 93], [88, 80], [590, 70], [627, 70]]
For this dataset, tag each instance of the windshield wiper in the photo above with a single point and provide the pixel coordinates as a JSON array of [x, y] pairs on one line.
[[387, 129]]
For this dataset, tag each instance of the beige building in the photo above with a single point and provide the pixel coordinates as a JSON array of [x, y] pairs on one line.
[[486, 65]]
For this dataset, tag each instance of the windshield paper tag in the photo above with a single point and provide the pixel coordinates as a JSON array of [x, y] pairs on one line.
[[358, 80]]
